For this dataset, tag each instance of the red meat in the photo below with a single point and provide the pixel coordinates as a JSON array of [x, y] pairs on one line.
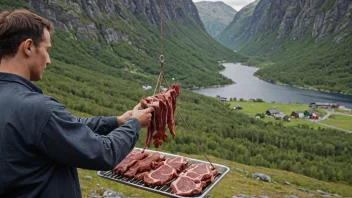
[[129, 161], [145, 164], [164, 105], [160, 176]]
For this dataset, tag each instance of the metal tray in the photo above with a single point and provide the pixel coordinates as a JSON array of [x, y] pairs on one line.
[[165, 189]]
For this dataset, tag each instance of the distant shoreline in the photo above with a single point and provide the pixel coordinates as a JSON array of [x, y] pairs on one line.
[[277, 83], [295, 86], [299, 87], [214, 86]]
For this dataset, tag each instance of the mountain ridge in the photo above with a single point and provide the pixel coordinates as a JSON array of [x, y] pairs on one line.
[[215, 15], [302, 43], [235, 34]]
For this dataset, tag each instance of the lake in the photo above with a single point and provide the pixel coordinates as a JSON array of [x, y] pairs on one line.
[[248, 86]]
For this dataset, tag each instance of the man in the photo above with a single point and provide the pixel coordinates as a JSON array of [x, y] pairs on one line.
[[41, 143]]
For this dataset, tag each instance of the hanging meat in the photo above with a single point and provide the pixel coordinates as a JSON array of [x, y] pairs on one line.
[[164, 105]]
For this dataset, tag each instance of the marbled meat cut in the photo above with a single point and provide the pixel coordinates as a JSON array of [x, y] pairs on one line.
[[140, 176], [160, 176], [145, 164], [201, 172], [178, 163], [195, 176], [129, 161], [185, 186], [164, 105]]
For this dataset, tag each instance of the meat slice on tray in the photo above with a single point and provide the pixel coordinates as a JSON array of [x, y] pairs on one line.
[[145, 164], [129, 161], [178, 163], [193, 179], [160, 176], [201, 172], [140, 176], [164, 105], [185, 186]]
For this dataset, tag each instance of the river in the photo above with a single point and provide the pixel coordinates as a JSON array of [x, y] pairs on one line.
[[248, 86]]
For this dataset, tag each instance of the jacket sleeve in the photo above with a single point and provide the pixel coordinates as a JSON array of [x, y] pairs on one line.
[[67, 141], [100, 125]]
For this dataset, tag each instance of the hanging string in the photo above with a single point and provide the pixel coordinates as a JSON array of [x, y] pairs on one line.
[[161, 73], [189, 130], [161, 29], [162, 77]]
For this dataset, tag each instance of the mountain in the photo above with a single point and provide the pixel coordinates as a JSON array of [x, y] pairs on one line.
[[308, 43], [105, 50], [235, 34], [126, 35], [215, 15]]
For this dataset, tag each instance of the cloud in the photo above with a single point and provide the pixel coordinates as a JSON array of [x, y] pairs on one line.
[[236, 4]]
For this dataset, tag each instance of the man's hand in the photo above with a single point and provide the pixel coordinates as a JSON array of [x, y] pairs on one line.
[[143, 116], [124, 117]]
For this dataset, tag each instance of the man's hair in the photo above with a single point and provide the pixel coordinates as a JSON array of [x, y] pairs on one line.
[[19, 25]]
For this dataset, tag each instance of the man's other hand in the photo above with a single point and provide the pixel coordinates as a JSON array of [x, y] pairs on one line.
[[124, 117]]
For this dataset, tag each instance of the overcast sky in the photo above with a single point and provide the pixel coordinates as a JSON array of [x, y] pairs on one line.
[[236, 4]]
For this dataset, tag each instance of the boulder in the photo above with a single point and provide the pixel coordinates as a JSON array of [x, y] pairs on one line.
[[322, 192], [111, 194], [291, 196], [262, 177], [303, 190], [93, 194], [286, 183], [242, 196]]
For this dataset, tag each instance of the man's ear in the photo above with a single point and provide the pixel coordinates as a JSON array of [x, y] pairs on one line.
[[27, 46]]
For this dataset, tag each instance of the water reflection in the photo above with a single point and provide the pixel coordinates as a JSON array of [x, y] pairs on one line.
[[248, 86]]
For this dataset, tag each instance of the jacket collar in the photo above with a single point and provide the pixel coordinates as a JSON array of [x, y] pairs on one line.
[[20, 80]]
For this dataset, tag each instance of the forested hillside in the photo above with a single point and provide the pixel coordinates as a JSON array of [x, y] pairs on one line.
[[302, 43], [126, 35], [91, 77]]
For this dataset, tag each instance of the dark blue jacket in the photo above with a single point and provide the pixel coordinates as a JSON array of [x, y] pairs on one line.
[[41, 143]]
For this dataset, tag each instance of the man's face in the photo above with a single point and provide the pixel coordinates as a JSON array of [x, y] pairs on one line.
[[40, 58]]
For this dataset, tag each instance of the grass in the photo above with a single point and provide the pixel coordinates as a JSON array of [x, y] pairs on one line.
[[344, 111], [237, 181], [340, 121], [99, 184], [295, 122], [261, 107]]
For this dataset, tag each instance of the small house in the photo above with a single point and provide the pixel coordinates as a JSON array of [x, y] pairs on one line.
[[272, 112], [335, 105], [223, 99], [297, 114], [309, 113], [300, 115], [279, 116], [237, 107], [314, 116], [287, 118], [324, 105], [320, 104], [146, 87]]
